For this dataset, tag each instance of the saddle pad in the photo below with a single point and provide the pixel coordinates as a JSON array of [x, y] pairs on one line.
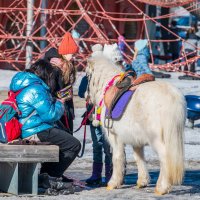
[[120, 106]]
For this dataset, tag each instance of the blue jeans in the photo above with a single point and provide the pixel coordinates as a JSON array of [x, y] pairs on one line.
[[100, 144]]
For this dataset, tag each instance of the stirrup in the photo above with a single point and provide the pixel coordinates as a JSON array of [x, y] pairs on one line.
[[108, 122]]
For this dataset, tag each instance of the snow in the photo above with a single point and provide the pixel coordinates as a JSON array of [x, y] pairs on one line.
[[81, 167], [5, 78]]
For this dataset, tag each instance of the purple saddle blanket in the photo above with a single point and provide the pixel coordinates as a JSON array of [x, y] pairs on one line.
[[121, 105]]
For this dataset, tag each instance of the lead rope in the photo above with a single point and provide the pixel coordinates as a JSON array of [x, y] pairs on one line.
[[84, 135], [83, 145]]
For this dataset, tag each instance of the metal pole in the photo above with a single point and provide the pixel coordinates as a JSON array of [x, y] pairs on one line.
[[29, 46], [43, 30]]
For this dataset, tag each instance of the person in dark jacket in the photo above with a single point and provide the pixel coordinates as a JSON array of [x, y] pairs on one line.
[[66, 74], [36, 98], [174, 46], [68, 116], [190, 48], [100, 144]]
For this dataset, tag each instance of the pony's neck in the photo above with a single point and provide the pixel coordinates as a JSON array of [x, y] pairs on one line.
[[103, 79]]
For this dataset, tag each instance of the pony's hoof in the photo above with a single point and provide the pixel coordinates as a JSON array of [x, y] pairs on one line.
[[160, 193], [109, 187], [142, 184]]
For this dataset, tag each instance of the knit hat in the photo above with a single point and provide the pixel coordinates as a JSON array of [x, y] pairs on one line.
[[67, 45]]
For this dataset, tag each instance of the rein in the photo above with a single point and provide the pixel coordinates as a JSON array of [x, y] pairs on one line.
[[84, 135], [84, 119], [82, 123]]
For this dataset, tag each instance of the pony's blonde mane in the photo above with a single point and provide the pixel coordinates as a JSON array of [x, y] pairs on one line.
[[103, 71]]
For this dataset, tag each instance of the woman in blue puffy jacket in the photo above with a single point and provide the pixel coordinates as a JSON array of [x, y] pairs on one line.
[[42, 110]]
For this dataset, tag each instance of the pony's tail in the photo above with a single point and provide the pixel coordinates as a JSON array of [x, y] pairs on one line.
[[174, 140]]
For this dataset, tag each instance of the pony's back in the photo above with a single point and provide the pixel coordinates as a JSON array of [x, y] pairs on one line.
[[157, 111]]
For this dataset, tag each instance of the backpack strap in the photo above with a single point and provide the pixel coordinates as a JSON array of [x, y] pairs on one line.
[[13, 94], [11, 100]]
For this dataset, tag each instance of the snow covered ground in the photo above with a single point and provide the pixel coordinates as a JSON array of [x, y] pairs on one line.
[[81, 167]]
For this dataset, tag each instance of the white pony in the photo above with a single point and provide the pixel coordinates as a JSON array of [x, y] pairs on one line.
[[155, 116]]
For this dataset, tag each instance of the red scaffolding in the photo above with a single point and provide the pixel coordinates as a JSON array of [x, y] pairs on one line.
[[95, 22]]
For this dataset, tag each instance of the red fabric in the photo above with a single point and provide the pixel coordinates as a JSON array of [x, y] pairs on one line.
[[66, 120], [67, 45], [13, 129], [11, 100]]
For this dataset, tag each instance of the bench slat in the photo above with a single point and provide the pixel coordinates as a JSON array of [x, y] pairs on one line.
[[29, 153]]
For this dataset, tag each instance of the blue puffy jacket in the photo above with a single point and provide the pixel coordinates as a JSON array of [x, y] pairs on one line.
[[35, 95]]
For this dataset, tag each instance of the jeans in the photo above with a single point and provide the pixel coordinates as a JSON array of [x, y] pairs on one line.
[[69, 148], [100, 144]]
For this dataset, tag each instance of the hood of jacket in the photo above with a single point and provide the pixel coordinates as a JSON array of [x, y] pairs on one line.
[[24, 79]]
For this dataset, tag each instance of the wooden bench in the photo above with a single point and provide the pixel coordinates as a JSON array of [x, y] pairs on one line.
[[19, 166]]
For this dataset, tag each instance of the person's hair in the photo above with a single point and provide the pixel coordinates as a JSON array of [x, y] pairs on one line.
[[69, 75], [48, 73], [51, 53]]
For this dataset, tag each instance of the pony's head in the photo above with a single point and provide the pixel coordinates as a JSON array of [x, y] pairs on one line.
[[102, 55], [101, 66], [112, 52]]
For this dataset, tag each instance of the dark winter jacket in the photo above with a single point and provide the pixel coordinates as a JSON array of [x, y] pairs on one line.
[[83, 87], [69, 105]]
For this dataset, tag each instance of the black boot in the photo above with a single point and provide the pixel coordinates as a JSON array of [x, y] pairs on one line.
[[43, 181], [95, 179], [108, 172]]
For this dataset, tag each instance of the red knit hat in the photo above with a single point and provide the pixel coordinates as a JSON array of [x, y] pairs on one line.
[[67, 45]]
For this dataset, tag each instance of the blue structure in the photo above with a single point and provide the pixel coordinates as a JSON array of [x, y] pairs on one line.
[[193, 108]]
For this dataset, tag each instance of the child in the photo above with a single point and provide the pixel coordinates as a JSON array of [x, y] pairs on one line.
[[100, 143], [67, 49], [140, 62], [121, 44], [62, 59]]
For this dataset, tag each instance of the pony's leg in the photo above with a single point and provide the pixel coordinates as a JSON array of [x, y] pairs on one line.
[[143, 175], [162, 185], [118, 159]]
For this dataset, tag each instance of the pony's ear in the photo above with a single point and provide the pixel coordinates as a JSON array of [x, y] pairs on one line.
[[114, 46]]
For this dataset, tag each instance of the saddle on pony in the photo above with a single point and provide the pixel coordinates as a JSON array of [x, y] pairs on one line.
[[128, 82]]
